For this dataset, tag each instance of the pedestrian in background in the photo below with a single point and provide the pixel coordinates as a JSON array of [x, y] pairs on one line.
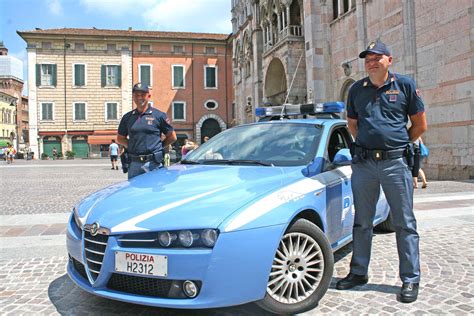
[[55, 153], [378, 109], [418, 143], [113, 153], [140, 132]]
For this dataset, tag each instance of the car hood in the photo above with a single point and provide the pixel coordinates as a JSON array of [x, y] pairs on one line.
[[181, 197]]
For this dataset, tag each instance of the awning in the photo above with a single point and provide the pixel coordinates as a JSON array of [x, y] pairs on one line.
[[5, 142], [101, 139]]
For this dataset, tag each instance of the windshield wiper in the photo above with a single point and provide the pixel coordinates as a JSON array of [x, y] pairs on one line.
[[237, 162], [190, 162]]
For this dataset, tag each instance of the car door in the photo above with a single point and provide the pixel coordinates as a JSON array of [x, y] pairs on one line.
[[339, 201]]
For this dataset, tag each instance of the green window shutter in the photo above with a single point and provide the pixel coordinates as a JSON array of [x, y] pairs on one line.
[[54, 71], [38, 75], [178, 77], [79, 75], [210, 77], [119, 76], [44, 111], [102, 75], [145, 75]]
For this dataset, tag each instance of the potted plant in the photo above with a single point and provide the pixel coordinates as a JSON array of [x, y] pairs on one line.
[[60, 155], [70, 154], [44, 156]]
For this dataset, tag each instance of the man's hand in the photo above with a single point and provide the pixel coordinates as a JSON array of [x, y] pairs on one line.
[[122, 140], [352, 125], [418, 126], [170, 139]]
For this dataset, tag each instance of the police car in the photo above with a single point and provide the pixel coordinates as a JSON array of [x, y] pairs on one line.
[[253, 215]]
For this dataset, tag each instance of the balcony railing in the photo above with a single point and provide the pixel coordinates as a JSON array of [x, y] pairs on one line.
[[291, 30]]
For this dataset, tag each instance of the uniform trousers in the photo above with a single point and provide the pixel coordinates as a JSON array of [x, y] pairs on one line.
[[395, 178], [136, 168]]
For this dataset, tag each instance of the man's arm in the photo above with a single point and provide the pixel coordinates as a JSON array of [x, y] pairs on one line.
[[418, 126], [169, 139], [352, 125], [122, 140]]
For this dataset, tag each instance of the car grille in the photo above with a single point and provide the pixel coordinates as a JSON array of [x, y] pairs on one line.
[[94, 247], [139, 285], [79, 267]]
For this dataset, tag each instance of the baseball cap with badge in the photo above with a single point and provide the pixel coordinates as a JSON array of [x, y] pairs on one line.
[[376, 47], [140, 87]]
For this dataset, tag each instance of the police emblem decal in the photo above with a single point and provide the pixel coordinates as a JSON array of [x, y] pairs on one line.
[[371, 45], [95, 228]]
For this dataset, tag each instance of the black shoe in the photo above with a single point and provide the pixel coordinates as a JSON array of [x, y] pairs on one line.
[[351, 280], [409, 292]]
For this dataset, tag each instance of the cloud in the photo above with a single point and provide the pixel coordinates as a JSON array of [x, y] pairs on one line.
[[211, 16], [55, 7], [117, 7]]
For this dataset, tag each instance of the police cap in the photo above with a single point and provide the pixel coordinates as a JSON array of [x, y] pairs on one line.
[[141, 87], [376, 47]]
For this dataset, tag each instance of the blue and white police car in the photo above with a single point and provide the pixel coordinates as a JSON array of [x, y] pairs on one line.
[[253, 215]]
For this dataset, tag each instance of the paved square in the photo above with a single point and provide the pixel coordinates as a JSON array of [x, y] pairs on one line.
[[38, 196]]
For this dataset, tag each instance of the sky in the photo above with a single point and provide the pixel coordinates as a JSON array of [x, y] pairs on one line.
[[208, 16]]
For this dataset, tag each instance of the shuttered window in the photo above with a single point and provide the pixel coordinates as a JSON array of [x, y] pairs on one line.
[[111, 111], [179, 111], [178, 76], [79, 111], [46, 75], [111, 75], [210, 77], [46, 111], [145, 74], [79, 75]]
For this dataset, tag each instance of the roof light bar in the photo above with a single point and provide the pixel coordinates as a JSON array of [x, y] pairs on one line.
[[296, 109]]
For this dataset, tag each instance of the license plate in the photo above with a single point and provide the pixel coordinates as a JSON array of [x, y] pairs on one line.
[[141, 263]]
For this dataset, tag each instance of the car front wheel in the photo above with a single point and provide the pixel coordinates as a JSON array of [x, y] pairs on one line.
[[301, 270]]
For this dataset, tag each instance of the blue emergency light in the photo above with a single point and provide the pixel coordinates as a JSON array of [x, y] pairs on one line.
[[297, 109]]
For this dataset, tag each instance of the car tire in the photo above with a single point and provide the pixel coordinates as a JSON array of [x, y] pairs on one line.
[[387, 225], [301, 270]]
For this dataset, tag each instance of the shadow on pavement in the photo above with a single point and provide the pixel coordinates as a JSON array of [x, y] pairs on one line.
[[345, 251], [68, 299]]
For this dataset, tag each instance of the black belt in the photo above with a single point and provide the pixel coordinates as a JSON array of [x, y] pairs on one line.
[[141, 158], [379, 154]]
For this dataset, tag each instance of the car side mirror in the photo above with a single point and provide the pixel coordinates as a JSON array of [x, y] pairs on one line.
[[343, 158]]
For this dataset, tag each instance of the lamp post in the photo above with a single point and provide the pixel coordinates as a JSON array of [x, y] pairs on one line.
[[14, 104]]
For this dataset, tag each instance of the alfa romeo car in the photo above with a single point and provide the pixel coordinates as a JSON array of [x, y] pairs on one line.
[[252, 215]]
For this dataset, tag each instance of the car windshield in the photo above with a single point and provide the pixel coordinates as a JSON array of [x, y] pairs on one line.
[[272, 144]]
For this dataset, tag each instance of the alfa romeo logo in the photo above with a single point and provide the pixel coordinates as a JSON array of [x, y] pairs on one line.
[[95, 229]]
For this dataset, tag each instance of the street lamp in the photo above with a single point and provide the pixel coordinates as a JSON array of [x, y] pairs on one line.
[[14, 104]]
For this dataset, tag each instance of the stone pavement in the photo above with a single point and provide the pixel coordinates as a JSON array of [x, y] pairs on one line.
[[38, 197]]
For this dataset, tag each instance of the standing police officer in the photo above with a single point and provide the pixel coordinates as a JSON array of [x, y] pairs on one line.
[[378, 109], [144, 127]]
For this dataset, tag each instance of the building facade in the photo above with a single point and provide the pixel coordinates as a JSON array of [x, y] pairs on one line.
[[307, 51], [80, 83], [11, 85]]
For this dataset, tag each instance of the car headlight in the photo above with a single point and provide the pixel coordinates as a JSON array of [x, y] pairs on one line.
[[188, 238], [165, 238], [209, 237]]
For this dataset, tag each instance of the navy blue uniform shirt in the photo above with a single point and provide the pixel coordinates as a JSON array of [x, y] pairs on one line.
[[144, 130], [382, 113]]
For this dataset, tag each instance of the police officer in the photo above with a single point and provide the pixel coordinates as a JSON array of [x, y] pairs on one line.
[[144, 127], [378, 110]]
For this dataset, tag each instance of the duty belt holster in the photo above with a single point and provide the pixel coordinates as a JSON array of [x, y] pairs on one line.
[[360, 153], [142, 158]]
